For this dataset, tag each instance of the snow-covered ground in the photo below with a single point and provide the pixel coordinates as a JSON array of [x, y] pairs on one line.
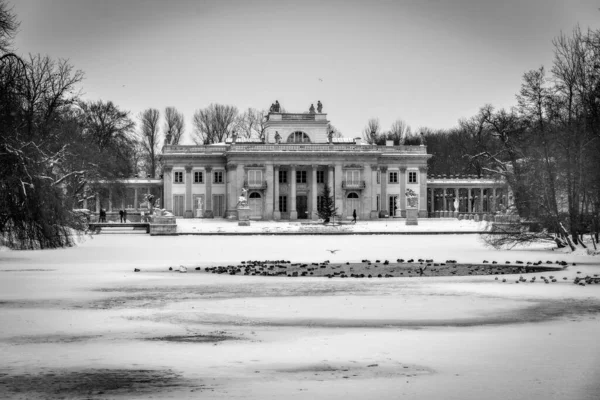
[[391, 225], [80, 323]]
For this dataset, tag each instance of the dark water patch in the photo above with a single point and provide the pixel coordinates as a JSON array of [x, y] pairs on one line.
[[26, 270], [50, 339], [355, 370], [144, 297], [90, 383], [193, 338]]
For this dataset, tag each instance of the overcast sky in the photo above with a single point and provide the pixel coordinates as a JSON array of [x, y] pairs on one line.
[[429, 62]]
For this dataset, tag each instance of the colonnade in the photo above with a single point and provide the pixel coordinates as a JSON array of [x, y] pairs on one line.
[[467, 199]]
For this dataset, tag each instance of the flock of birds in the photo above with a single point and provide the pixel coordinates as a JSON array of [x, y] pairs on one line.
[[411, 267]]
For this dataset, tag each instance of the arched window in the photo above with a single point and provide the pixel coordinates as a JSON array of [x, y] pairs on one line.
[[352, 195], [298, 137], [255, 195]]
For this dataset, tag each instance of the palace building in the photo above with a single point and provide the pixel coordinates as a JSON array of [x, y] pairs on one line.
[[284, 176]]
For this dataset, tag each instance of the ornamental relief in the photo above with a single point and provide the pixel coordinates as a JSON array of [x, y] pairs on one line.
[[353, 166]]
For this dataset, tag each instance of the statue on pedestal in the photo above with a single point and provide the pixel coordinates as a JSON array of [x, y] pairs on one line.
[[277, 137], [319, 107], [243, 199], [311, 109]]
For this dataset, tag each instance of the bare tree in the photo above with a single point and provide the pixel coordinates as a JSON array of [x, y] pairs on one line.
[[336, 132], [8, 27], [251, 124], [149, 132], [105, 123], [174, 124], [399, 131], [214, 123], [372, 132]]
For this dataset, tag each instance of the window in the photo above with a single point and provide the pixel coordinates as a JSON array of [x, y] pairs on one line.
[[378, 177], [298, 137], [282, 176], [254, 177], [178, 177], [218, 177], [300, 176], [352, 176], [320, 176], [198, 177], [393, 177], [412, 177], [282, 203], [377, 205]]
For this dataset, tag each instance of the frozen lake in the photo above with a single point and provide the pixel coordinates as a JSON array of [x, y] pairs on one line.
[[80, 323]]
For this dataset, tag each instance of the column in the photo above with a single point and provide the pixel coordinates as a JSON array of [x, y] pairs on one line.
[[293, 211], [276, 212], [402, 181], [208, 209], [232, 199], [444, 200], [366, 198], [97, 203], [384, 179], [268, 200], [423, 192], [481, 200], [331, 181], [188, 193], [339, 193], [167, 202], [226, 183], [493, 202], [469, 208], [313, 193], [135, 198], [432, 199], [109, 199]]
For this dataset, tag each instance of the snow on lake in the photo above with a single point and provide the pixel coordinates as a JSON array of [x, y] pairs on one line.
[[79, 323]]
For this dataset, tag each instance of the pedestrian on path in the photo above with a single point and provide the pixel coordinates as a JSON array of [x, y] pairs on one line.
[[121, 215], [354, 216], [124, 215]]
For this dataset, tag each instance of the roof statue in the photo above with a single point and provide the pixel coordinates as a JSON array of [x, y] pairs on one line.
[[319, 107], [311, 109]]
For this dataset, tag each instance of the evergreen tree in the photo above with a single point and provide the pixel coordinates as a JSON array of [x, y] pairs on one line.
[[327, 209]]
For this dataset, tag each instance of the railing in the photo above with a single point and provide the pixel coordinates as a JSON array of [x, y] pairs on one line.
[[296, 117], [195, 149], [295, 147], [327, 148], [353, 185], [255, 185]]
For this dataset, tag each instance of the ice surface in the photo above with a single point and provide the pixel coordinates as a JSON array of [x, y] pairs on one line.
[[84, 309]]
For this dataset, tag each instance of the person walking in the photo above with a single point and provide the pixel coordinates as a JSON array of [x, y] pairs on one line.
[[121, 215], [102, 215], [354, 216], [124, 215]]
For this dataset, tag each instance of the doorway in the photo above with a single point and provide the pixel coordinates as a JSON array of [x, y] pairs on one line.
[[352, 203], [393, 206], [178, 205], [218, 205], [301, 207], [255, 203]]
